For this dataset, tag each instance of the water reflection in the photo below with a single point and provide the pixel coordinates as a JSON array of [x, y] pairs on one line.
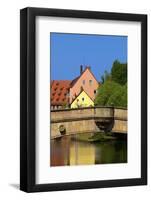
[[65, 151]]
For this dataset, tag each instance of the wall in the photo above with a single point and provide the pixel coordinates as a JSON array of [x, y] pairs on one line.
[[9, 99], [80, 113], [82, 100], [82, 120], [89, 89], [81, 126]]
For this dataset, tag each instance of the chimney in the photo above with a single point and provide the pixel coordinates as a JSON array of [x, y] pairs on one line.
[[81, 69]]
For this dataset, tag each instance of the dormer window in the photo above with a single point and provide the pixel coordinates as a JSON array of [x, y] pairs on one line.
[[83, 99]]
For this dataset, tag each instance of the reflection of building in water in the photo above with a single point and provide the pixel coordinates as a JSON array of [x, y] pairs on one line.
[[59, 152], [67, 151], [82, 154]]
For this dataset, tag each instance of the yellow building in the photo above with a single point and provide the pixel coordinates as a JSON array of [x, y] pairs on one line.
[[82, 100]]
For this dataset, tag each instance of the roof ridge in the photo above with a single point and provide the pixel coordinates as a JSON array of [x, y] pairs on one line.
[[76, 79]]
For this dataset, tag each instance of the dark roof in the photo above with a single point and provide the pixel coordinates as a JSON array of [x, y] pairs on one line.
[[59, 92], [74, 81]]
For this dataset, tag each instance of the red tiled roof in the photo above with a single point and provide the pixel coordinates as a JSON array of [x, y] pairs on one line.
[[59, 91]]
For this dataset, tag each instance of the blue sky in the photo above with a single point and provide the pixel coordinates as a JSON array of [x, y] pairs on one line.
[[69, 51]]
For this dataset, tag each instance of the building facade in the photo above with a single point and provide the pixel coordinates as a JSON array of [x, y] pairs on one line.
[[85, 81], [79, 92], [82, 100]]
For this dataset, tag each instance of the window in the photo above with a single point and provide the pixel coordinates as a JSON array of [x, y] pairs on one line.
[[90, 82], [83, 82], [95, 91], [83, 99]]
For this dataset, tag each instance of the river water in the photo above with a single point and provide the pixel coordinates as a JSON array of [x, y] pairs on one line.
[[69, 151]]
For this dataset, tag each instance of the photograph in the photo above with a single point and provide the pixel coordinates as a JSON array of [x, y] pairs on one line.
[[83, 99], [88, 99]]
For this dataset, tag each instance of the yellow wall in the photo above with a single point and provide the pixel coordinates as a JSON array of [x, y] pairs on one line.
[[87, 101]]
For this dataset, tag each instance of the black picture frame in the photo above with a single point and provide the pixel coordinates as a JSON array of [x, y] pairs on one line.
[[28, 99]]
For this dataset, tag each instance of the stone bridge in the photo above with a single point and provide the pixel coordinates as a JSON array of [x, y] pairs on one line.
[[89, 119]]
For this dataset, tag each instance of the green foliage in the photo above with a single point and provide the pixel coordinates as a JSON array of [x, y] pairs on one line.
[[124, 96], [113, 90], [106, 76], [111, 94], [105, 91], [119, 72], [118, 97], [65, 105]]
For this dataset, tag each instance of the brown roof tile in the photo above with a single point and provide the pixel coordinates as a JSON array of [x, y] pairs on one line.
[[58, 92]]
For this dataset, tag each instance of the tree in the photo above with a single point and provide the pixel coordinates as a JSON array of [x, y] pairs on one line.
[[106, 76], [124, 96], [119, 72], [111, 94], [105, 91], [118, 97], [113, 90]]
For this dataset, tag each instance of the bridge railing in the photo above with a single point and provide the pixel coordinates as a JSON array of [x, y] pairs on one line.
[[89, 112], [71, 113], [120, 114], [104, 112]]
